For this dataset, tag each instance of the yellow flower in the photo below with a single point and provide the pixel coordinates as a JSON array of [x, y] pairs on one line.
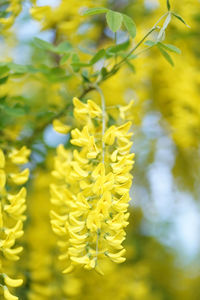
[[20, 156], [60, 127], [117, 257], [2, 179], [8, 295], [20, 178], [124, 110], [12, 282], [2, 159]]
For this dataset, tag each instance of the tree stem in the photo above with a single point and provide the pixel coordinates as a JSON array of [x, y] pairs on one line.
[[103, 107]]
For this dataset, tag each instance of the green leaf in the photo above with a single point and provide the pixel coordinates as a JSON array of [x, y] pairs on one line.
[[85, 50], [16, 110], [63, 47], [18, 69], [18, 99], [150, 43], [77, 64], [75, 59], [4, 14], [104, 72], [180, 18], [4, 70], [131, 56], [56, 74], [80, 64], [43, 44], [85, 75], [166, 55], [60, 49], [95, 11], [100, 54], [117, 48], [168, 5], [130, 25], [64, 58], [3, 79], [114, 20], [170, 47], [131, 66], [21, 69]]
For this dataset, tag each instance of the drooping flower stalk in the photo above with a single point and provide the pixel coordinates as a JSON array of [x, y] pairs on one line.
[[91, 194], [12, 208]]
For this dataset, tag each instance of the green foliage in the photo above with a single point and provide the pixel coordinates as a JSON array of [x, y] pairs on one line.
[[95, 11], [163, 48], [130, 25], [43, 44], [177, 16], [64, 58], [16, 111], [57, 56], [170, 47], [3, 79], [99, 55], [149, 43], [117, 48], [165, 54], [114, 20], [168, 5], [3, 70], [62, 48]]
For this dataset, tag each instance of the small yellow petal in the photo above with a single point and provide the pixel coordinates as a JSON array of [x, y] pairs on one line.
[[81, 260], [94, 109], [109, 136], [68, 269], [2, 179], [12, 282], [8, 295], [2, 159], [20, 156], [60, 127], [20, 178]]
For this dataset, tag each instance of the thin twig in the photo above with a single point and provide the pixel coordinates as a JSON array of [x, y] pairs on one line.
[[134, 48], [103, 107]]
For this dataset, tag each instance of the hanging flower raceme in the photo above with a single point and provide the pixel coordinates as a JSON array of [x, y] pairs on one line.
[[12, 208], [91, 193]]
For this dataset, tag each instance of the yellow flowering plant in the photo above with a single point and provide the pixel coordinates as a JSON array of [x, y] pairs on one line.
[[92, 193], [69, 70]]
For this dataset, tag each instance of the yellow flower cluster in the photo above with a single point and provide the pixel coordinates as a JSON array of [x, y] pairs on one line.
[[12, 208], [66, 17], [91, 194], [40, 261], [12, 10]]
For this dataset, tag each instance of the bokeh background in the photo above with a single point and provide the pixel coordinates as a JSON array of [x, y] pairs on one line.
[[163, 241]]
